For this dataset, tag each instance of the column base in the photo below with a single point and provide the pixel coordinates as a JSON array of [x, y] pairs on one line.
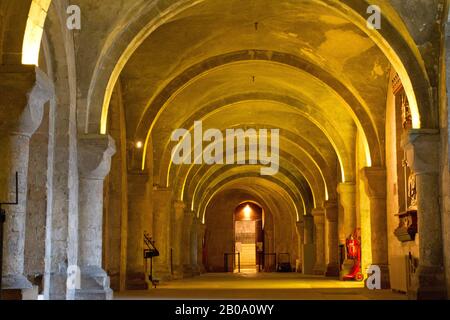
[[428, 285], [178, 273], [308, 258], [137, 281], [55, 286], [94, 286], [91, 294], [195, 270], [188, 271], [319, 270], [162, 273], [17, 287], [332, 270]]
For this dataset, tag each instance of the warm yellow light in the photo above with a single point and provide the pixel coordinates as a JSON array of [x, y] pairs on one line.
[[247, 212], [33, 32], [139, 144]]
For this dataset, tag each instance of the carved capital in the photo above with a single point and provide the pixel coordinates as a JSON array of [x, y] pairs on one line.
[[179, 205], [300, 225], [179, 209], [190, 215], [94, 157], [319, 215], [422, 150], [331, 210], [25, 90], [375, 181], [347, 194]]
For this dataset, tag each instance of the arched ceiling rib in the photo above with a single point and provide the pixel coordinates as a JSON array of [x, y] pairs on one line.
[[270, 77], [255, 185], [283, 106]]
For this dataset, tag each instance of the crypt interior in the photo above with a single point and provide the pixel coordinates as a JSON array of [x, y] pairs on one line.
[[91, 92]]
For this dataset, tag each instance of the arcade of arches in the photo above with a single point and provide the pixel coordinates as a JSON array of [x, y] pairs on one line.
[[87, 115]]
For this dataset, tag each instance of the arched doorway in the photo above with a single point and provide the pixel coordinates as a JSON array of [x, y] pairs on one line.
[[249, 235]]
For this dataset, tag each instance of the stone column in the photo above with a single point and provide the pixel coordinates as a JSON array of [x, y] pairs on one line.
[[422, 151], [24, 91], [319, 224], [139, 206], [375, 183], [200, 246], [347, 197], [308, 258], [178, 237], [331, 216], [301, 238], [194, 244], [94, 163], [162, 207], [162, 199], [186, 244]]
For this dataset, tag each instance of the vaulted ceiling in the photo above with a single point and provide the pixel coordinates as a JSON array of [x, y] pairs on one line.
[[292, 65], [310, 68]]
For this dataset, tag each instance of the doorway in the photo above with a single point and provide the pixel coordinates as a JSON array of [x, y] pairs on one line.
[[248, 241]]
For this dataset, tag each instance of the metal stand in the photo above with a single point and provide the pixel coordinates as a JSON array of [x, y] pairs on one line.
[[2, 223], [150, 253]]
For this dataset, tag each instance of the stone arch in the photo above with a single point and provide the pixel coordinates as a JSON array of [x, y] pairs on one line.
[[360, 113], [344, 158], [398, 47], [205, 198]]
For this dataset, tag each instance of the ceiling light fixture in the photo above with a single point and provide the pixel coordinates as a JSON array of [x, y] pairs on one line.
[[247, 212]]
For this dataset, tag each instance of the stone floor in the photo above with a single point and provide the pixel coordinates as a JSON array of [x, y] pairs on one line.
[[261, 286]]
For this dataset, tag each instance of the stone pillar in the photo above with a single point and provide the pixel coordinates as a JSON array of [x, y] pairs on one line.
[[178, 239], [200, 246], [94, 163], [24, 91], [162, 207], [139, 205], [347, 197], [308, 258], [186, 244], [194, 244], [319, 224], [331, 216], [375, 182], [301, 240], [422, 151]]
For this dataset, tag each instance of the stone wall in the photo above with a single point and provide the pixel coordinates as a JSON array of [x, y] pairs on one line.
[[398, 251], [280, 233]]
